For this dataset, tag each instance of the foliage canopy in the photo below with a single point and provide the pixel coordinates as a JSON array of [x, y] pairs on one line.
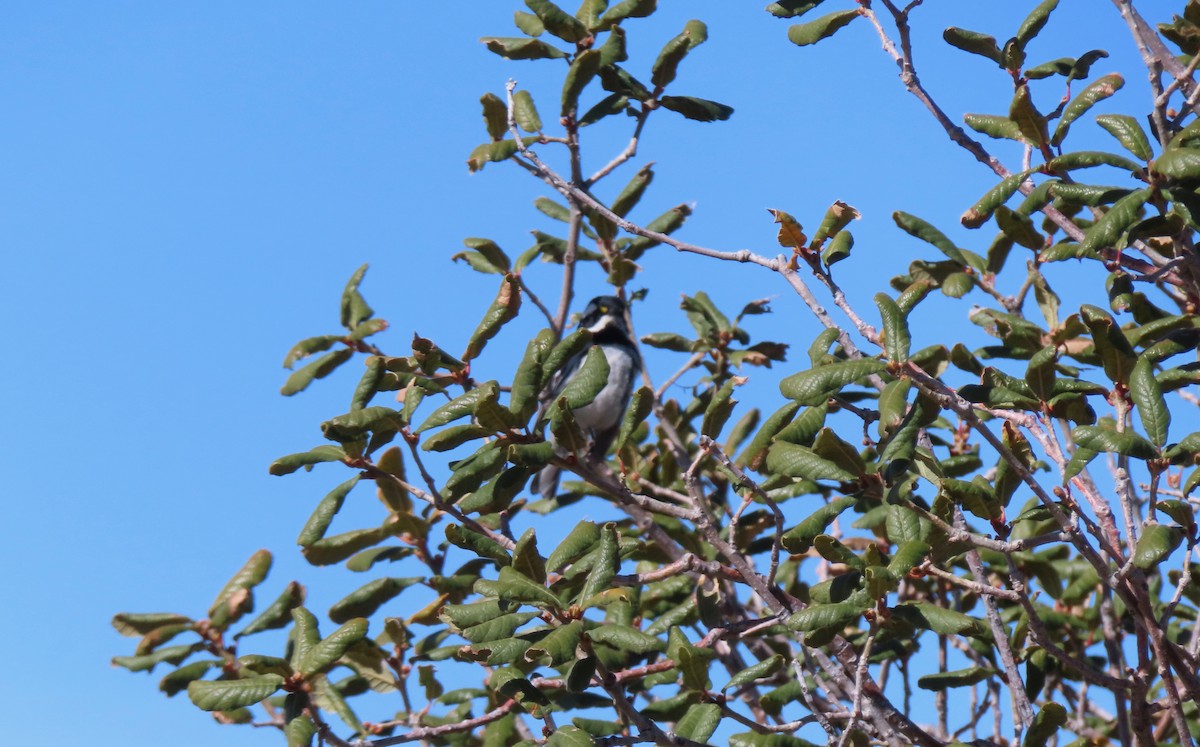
[[1008, 523]]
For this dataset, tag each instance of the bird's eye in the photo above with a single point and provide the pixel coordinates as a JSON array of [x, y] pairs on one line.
[[603, 309]]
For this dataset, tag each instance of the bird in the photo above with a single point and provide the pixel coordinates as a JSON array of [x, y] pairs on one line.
[[600, 419]]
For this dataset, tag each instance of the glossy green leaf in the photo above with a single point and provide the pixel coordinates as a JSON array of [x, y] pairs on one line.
[[495, 115], [1110, 343], [824, 27], [973, 42], [1157, 542], [460, 406], [1147, 395], [587, 382], [1035, 21], [558, 22], [329, 649], [606, 565], [798, 461], [1086, 159], [818, 616], [516, 587], [1095, 92], [914, 226], [697, 109], [626, 638], [354, 308], [521, 48], [699, 723], [799, 539], [1030, 121], [139, 624], [896, 337], [993, 126], [1046, 723], [1102, 439], [792, 8], [234, 600], [815, 386], [982, 210], [503, 309], [569, 736], [665, 67], [525, 113], [1128, 133], [279, 613], [582, 71], [941, 620], [367, 599], [228, 695], [310, 346], [318, 369], [958, 678], [556, 647], [627, 9]]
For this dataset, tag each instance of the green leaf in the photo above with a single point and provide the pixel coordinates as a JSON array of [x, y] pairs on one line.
[[818, 616], [1101, 439], [606, 565], [520, 48], [324, 653], [147, 662], [460, 406], [1086, 159], [666, 65], [495, 115], [1157, 542], [1094, 93], [957, 678], [1110, 343], [337, 548], [558, 22], [529, 23], [792, 8], [699, 723], [556, 647], [1030, 121], [354, 307], [177, 681], [626, 638], [764, 668], [815, 386], [229, 695], [234, 600], [279, 613], [318, 369], [525, 113], [310, 346], [896, 337], [639, 409], [973, 42], [367, 599], [140, 624], [791, 460], [1128, 133], [1049, 719], [587, 382], [353, 425], [697, 109], [583, 69], [914, 226], [626, 9], [799, 539], [755, 739], [516, 587], [803, 34], [982, 210], [1147, 395], [838, 249], [569, 736], [940, 620], [578, 542], [1034, 22], [503, 310], [993, 126]]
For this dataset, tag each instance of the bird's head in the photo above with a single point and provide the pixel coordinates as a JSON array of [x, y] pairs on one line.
[[604, 312]]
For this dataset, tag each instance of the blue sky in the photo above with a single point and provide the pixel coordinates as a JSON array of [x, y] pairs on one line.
[[188, 186]]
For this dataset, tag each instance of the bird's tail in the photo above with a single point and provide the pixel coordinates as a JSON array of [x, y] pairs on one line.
[[546, 482]]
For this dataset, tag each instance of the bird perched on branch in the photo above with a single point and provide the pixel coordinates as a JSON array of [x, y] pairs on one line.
[[599, 419]]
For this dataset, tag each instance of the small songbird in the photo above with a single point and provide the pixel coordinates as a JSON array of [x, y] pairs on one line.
[[600, 419]]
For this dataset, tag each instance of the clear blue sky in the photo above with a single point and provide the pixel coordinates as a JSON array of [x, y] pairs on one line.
[[187, 187]]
